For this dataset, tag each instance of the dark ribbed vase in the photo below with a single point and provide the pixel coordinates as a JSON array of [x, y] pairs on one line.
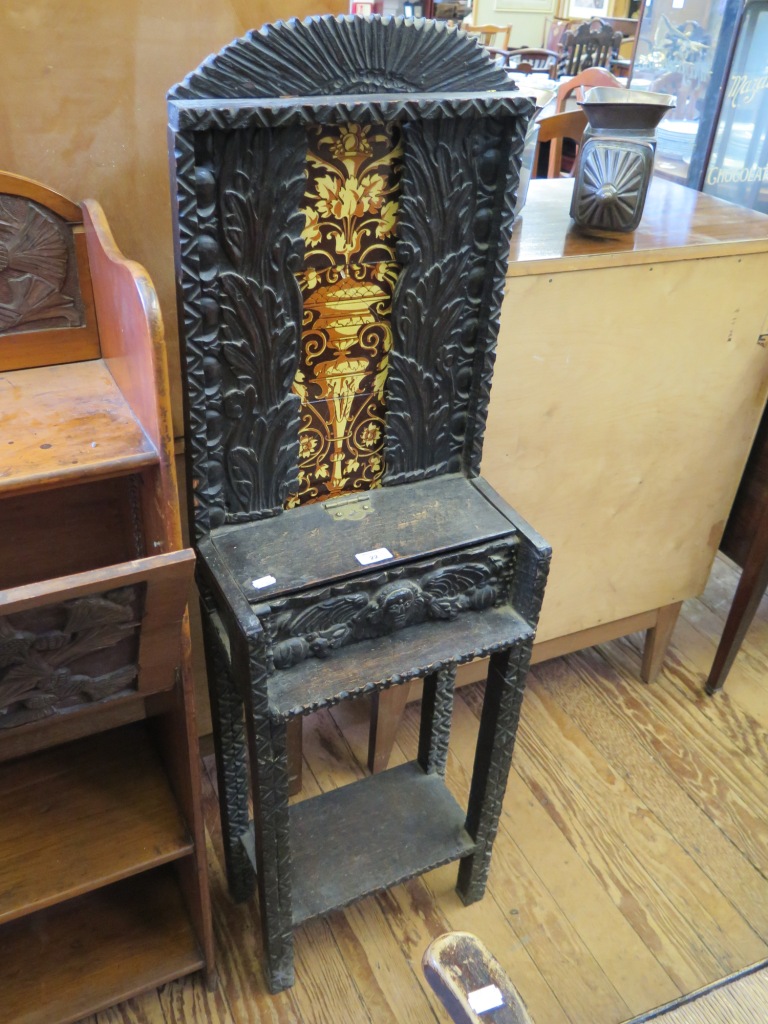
[[616, 158]]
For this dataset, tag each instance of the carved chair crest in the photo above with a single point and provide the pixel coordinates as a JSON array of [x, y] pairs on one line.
[[345, 191]]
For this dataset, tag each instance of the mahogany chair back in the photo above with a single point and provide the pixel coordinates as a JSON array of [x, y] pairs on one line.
[[527, 60], [569, 124], [592, 44], [588, 79]]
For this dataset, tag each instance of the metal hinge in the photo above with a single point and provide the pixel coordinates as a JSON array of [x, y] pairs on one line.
[[354, 506]]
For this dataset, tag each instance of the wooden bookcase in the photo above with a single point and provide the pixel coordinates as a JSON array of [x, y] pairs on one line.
[[103, 884]]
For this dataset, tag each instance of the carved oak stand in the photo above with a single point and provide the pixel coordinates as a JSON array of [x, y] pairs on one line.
[[345, 192]]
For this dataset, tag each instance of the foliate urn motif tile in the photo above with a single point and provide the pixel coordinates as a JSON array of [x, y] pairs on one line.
[[351, 200], [346, 339]]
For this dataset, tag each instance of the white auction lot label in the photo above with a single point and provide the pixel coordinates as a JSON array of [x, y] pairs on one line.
[[484, 999], [371, 557]]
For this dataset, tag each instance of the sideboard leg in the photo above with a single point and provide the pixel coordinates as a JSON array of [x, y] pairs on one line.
[[657, 641], [746, 600], [387, 707]]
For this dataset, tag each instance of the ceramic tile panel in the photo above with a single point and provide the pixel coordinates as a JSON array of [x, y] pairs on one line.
[[346, 339], [351, 200]]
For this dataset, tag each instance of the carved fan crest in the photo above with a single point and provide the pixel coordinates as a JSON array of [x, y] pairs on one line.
[[330, 56], [36, 268]]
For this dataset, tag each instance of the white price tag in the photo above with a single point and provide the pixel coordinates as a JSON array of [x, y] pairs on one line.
[[264, 581], [371, 557], [484, 999]]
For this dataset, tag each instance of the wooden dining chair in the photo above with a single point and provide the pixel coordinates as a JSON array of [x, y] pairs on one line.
[[569, 124], [593, 44], [528, 59], [494, 36], [575, 88]]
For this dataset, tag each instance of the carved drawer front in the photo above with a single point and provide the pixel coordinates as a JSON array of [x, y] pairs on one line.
[[76, 640], [314, 623], [326, 575]]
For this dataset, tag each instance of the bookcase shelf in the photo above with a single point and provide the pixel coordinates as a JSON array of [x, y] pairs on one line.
[[67, 422]]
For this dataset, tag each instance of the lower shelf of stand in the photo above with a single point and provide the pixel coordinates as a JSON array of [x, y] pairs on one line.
[[68, 961], [368, 836]]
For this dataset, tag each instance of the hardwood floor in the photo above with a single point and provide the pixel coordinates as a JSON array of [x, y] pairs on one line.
[[631, 864]]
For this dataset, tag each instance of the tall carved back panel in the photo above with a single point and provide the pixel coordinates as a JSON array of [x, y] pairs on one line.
[[344, 197]]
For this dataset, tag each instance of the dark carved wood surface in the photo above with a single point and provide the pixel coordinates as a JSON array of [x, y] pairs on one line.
[[412, 823], [385, 661], [326, 56], [239, 153], [311, 546], [251, 247], [454, 185], [197, 116], [284, 591], [315, 624]]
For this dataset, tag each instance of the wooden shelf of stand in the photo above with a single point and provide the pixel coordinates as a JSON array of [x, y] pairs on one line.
[[67, 423], [84, 794], [311, 683], [78, 957], [412, 821]]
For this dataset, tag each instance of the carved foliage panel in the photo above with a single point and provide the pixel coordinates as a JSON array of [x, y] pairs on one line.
[[38, 269], [68, 654], [315, 623], [242, 355], [457, 183], [254, 259]]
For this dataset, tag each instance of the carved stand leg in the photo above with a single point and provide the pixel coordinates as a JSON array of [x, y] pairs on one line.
[[268, 750], [231, 761], [493, 758], [295, 755], [435, 728]]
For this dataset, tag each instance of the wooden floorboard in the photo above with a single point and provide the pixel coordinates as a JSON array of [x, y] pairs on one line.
[[631, 865]]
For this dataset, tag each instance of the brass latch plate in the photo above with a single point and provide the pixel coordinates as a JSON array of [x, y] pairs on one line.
[[354, 506]]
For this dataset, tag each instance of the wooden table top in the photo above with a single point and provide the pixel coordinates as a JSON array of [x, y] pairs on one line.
[[678, 223]]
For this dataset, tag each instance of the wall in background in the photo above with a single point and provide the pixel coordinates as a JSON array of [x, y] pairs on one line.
[[82, 107]]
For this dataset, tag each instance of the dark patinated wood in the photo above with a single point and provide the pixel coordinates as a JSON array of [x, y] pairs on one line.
[[326, 578], [745, 540], [591, 44], [412, 824]]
